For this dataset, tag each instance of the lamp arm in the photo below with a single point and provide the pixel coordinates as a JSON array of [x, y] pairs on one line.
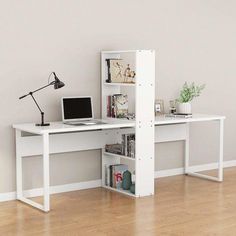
[[37, 90], [31, 94], [42, 113], [43, 87]]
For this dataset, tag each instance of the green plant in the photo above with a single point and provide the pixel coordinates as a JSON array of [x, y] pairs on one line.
[[189, 92]]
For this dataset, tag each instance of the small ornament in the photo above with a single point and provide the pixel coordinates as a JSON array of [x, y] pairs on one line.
[[126, 182], [129, 75]]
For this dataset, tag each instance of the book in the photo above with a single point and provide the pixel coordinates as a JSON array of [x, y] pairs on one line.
[[179, 115], [107, 175], [121, 105], [115, 178], [128, 143], [118, 174], [108, 71], [117, 106]]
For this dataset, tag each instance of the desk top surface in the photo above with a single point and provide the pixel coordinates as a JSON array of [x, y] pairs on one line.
[[59, 127]]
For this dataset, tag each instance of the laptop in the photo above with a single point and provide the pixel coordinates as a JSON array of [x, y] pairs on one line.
[[78, 111]]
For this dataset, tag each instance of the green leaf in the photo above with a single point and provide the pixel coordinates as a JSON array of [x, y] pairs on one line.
[[189, 92]]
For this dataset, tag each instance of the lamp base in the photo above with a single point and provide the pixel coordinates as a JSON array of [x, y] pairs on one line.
[[43, 124]]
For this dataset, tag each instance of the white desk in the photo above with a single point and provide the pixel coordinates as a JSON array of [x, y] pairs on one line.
[[58, 138]]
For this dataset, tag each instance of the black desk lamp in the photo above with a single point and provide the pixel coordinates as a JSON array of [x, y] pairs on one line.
[[57, 84]]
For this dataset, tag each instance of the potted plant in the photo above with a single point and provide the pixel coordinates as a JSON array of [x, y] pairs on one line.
[[187, 94]]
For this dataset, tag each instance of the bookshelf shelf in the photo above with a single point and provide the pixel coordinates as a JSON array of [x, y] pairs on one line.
[[121, 156], [120, 84], [126, 192]]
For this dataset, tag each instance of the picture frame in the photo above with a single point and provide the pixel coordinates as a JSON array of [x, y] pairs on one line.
[[159, 107]]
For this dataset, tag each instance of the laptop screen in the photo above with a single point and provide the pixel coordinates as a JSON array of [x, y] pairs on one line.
[[77, 108]]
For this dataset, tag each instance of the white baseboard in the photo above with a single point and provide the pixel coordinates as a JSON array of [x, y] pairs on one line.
[[53, 189], [196, 168], [98, 183]]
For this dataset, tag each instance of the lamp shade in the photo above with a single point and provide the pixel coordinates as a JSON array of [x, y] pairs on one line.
[[57, 83]]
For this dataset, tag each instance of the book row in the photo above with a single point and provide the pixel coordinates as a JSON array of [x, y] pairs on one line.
[[125, 148]]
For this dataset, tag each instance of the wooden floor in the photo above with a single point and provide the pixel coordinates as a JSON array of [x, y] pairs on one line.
[[182, 205]]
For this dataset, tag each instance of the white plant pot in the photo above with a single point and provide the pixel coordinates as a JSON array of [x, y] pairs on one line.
[[184, 108]]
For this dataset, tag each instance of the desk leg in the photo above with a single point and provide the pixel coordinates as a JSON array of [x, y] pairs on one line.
[[19, 187], [46, 194], [46, 206], [186, 151], [219, 178], [220, 170]]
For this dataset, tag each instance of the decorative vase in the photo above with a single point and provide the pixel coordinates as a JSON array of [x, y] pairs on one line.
[[184, 108], [126, 181]]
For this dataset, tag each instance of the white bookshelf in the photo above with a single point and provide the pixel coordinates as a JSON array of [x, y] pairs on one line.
[[142, 97]]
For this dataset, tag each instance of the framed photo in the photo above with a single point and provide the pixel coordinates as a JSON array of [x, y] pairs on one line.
[[159, 107], [117, 71]]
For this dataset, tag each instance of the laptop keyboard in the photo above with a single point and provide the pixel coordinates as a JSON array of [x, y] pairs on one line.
[[86, 123]]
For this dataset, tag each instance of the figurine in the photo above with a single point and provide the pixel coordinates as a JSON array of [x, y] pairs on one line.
[[129, 75]]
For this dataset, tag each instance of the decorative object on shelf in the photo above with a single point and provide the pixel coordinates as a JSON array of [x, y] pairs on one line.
[[57, 84], [129, 75], [118, 73], [159, 107], [184, 108], [172, 106], [187, 94], [126, 182], [132, 188], [130, 116]]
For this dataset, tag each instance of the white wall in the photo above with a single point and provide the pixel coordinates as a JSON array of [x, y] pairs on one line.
[[194, 41]]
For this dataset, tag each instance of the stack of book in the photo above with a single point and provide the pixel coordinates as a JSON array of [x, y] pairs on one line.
[[128, 143], [114, 148], [117, 106], [179, 115], [114, 175]]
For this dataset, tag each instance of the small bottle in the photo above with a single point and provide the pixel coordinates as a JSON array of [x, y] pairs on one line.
[[172, 106]]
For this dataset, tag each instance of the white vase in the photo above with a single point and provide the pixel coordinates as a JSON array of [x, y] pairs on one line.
[[184, 108]]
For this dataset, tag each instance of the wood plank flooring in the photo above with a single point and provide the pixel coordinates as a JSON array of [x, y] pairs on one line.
[[182, 205]]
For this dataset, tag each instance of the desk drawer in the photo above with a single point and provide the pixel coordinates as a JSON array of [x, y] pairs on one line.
[[168, 133]]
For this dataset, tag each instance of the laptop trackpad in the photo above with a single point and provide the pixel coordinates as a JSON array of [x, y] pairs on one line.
[[89, 123]]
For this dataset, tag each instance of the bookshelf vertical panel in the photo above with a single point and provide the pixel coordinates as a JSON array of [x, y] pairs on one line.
[[145, 94]]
